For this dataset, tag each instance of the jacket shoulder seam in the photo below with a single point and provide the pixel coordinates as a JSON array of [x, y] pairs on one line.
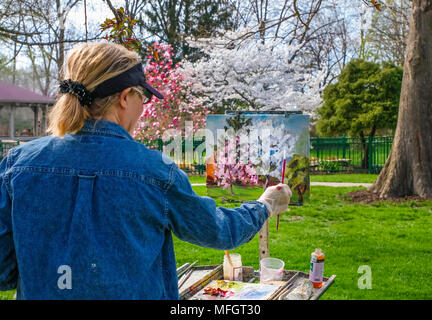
[[105, 172]]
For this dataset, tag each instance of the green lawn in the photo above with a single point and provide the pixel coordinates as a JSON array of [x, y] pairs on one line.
[[364, 178], [393, 239], [7, 295], [197, 179], [354, 177]]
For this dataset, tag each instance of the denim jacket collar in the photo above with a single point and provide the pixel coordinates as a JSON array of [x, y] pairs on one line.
[[105, 128]]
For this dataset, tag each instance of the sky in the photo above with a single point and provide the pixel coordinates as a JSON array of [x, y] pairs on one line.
[[97, 12]]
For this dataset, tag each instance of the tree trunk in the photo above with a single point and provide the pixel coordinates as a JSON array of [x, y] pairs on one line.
[[231, 188], [301, 190], [408, 170], [365, 148], [61, 16], [266, 181], [60, 60]]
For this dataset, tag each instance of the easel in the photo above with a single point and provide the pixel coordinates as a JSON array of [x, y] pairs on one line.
[[264, 241], [264, 232]]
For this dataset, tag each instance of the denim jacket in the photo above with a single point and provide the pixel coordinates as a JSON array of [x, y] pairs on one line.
[[91, 216]]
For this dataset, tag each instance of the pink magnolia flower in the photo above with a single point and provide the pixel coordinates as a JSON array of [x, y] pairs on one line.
[[179, 104]]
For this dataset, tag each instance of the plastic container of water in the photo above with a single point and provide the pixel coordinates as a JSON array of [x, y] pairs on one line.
[[271, 269]]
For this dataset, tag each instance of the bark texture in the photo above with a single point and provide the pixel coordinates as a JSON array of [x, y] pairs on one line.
[[408, 170]]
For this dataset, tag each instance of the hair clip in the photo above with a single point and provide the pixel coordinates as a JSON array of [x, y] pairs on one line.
[[77, 89]]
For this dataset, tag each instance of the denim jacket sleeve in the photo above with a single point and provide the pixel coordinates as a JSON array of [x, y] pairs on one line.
[[197, 220], [8, 263]]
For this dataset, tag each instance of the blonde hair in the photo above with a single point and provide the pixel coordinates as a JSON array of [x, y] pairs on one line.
[[90, 64]]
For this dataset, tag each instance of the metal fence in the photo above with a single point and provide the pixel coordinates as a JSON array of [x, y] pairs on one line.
[[191, 166], [345, 154], [5, 146], [327, 155]]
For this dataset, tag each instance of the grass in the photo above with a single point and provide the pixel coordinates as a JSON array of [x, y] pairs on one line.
[[363, 178], [197, 179], [360, 178], [393, 239], [7, 295], [240, 192], [390, 238]]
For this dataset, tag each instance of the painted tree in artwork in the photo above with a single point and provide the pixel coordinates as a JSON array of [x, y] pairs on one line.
[[230, 170], [269, 143], [297, 175]]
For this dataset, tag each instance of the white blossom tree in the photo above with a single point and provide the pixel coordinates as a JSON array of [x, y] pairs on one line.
[[268, 144], [263, 75], [256, 149]]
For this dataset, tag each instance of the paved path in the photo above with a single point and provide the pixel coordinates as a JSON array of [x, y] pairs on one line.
[[327, 184], [341, 184]]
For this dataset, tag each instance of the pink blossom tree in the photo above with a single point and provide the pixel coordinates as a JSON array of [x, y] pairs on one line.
[[230, 171], [179, 104]]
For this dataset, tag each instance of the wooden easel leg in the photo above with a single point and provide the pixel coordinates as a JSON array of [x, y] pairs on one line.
[[264, 241]]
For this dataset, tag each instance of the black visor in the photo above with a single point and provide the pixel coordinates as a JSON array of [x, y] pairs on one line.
[[130, 78]]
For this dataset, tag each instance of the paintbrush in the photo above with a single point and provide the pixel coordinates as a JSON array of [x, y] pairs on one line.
[[185, 277], [182, 268], [282, 181], [284, 288], [181, 273], [229, 258]]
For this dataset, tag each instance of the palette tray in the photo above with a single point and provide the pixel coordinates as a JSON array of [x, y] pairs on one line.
[[236, 290], [206, 276]]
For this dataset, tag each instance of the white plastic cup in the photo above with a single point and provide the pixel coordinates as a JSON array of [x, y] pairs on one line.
[[271, 269]]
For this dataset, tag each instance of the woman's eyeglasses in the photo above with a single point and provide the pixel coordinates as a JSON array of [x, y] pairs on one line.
[[145, 94], [146, 100]]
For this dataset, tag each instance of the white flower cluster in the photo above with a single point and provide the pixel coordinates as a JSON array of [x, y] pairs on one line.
[[268, 146], [264, 75]]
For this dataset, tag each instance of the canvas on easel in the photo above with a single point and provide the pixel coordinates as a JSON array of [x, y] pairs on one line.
[[245, 152]]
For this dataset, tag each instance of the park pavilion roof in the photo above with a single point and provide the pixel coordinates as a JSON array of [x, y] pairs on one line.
[[11, 94]]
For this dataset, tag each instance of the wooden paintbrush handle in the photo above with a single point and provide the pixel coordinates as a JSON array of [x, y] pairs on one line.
[[228, 257]]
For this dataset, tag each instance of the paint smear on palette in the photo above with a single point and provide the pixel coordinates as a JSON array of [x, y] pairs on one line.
[[237, 291], [256, 292]]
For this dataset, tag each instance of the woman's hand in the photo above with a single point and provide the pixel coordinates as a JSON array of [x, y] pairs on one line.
[[276, 198]]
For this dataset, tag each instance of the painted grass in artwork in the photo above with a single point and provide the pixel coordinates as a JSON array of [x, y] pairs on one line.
[[244, 193]]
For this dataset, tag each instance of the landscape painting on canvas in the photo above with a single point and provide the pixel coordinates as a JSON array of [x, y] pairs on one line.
[[245, 153]]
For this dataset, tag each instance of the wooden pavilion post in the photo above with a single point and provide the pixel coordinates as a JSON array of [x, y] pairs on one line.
[[36, 118], [44, 120], [12, 122]]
